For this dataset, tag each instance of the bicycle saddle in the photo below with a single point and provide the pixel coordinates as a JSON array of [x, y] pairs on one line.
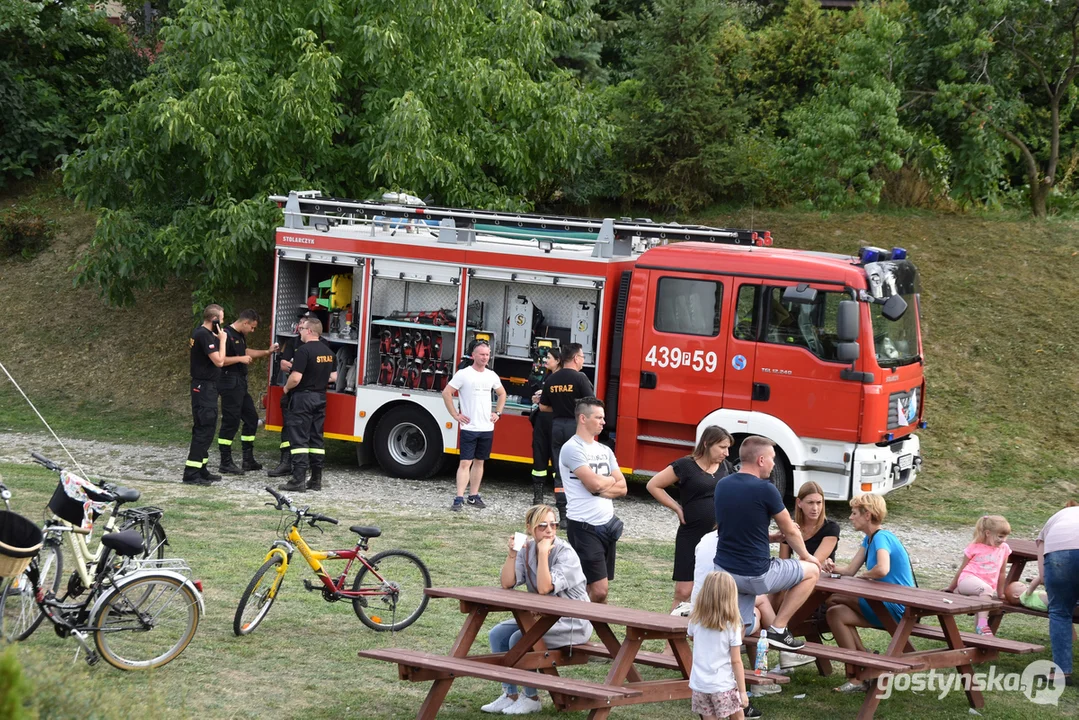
[[126, 495], [126, 544], [366, 531]]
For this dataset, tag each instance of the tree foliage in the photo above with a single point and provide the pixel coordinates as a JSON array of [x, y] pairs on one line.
[[55, 56], [458, 99], [997, 76], [851, 126]]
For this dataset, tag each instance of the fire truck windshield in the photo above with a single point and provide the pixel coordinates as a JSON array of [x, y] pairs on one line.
[[896, 342]]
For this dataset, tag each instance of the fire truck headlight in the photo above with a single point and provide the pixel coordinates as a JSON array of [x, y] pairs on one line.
[[870, 469]]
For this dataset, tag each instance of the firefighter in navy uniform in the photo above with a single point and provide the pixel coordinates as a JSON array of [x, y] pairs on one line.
[[288, 350], [314, 366], [561, 391], [236, 403], [207, 357]]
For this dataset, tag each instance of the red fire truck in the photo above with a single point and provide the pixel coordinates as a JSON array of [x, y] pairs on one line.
[[820, 352]]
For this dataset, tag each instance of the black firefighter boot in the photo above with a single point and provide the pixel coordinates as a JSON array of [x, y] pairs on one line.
[[250, 463], [537, 489], [284, 468], [296, 484], [315, 483], [226, 465]]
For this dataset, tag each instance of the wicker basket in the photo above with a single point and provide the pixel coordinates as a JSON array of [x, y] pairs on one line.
[[20, 541]]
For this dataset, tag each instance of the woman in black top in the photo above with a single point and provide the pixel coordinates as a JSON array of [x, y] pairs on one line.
[[821, 535], [695, 476]]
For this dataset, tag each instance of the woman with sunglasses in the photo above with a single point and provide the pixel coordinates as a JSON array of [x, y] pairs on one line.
[[546, 565]]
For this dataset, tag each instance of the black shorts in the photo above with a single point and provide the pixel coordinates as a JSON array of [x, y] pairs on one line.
[[476, 445], [685, 547], [596, 546]]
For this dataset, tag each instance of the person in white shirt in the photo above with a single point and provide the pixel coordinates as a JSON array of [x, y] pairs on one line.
[[474, 385], [591, 478], [717, 680]]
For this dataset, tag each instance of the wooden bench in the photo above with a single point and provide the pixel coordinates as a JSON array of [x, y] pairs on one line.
[[873, 665], [669, 662], [985, 642], [420, 666]]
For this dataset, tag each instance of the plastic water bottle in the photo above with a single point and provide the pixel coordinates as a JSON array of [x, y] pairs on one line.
[[761, 666]]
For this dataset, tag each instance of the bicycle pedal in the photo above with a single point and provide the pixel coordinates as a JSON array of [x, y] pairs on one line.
[[92, 659], [309, 586]]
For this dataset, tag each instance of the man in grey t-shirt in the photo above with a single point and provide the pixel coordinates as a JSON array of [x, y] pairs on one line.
[[591, 478]]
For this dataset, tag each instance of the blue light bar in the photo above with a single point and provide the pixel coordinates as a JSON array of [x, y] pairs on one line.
[[923, 424], [869, 255], [889, 437], [899, 253]]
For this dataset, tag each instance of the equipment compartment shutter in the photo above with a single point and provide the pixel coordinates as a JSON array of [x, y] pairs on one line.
[[416, 272]]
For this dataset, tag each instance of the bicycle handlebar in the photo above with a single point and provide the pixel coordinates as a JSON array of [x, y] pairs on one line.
[[283, 501], [42, 460], [319, 517]]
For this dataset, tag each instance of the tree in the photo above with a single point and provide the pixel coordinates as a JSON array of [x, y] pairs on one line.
[[850, 128], [1006, 68], [458, 99], [685, 139], [55, 57]]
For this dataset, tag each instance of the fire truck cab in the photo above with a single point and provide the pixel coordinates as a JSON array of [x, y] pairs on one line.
[[819, 352]]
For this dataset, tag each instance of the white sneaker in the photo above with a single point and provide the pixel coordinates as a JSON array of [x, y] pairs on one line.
[[770, 689], [503, 702], [524, 706], [788, 660], [683, 609]]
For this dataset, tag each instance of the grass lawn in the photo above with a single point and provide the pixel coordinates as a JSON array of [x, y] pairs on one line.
[[301, 662]]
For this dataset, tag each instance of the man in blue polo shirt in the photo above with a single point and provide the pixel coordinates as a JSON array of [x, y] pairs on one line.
[[746, 503]]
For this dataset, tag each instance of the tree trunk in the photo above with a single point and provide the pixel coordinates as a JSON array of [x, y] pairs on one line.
[[1039, 193]]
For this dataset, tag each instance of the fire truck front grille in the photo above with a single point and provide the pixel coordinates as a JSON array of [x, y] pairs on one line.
[[903, 407]]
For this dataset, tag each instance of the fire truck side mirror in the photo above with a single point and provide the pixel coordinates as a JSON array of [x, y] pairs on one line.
[[800, 295], [846, 322], [894, 307], [847, 351]]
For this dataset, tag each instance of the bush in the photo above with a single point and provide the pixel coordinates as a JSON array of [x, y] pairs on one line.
[[13, 686], [24, 232]]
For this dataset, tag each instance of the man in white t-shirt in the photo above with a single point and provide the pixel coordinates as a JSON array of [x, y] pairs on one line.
[[474, 385], [590, 478]]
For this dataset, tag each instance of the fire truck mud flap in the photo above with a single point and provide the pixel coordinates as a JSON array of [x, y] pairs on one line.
[[408, 443]]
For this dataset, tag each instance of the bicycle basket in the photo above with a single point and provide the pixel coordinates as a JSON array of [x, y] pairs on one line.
[[76, 501], [20, 540]]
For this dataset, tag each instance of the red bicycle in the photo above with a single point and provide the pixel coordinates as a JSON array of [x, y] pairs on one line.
[[387, 594]]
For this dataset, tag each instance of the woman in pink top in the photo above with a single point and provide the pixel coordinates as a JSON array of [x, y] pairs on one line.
[[982, 571]]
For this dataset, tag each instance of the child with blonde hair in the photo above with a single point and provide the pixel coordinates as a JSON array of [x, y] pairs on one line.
[[718, 679], [982, 570]]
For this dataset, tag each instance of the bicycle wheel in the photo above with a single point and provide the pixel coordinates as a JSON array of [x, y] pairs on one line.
[[19, 611], [146, 622], [395, 584], [258, 598], [153, 536]]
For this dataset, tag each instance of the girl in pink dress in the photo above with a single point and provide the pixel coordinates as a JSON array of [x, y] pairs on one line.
[[982, 571]]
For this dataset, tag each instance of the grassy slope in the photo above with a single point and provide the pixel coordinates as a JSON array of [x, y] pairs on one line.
[[999, 314]]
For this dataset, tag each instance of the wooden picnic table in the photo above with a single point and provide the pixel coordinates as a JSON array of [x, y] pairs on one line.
[[963, 649], [1023, 552], [536, 614]]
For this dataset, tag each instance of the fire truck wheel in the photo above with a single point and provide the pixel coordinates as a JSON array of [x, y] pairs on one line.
[[408, 443], [780, 476]]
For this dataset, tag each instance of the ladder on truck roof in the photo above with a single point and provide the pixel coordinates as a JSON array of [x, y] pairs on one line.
[[609, 237]]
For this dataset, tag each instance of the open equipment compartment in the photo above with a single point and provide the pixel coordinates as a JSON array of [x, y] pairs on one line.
[[412, 337], [524, 315]]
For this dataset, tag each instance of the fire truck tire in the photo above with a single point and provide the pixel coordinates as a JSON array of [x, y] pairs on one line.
[[408, 443], [781, 474]]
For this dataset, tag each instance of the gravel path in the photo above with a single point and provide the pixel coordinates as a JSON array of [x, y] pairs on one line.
[[935, 551]]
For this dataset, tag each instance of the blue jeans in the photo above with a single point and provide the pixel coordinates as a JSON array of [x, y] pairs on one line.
[[505, 635], [1062, 584]]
